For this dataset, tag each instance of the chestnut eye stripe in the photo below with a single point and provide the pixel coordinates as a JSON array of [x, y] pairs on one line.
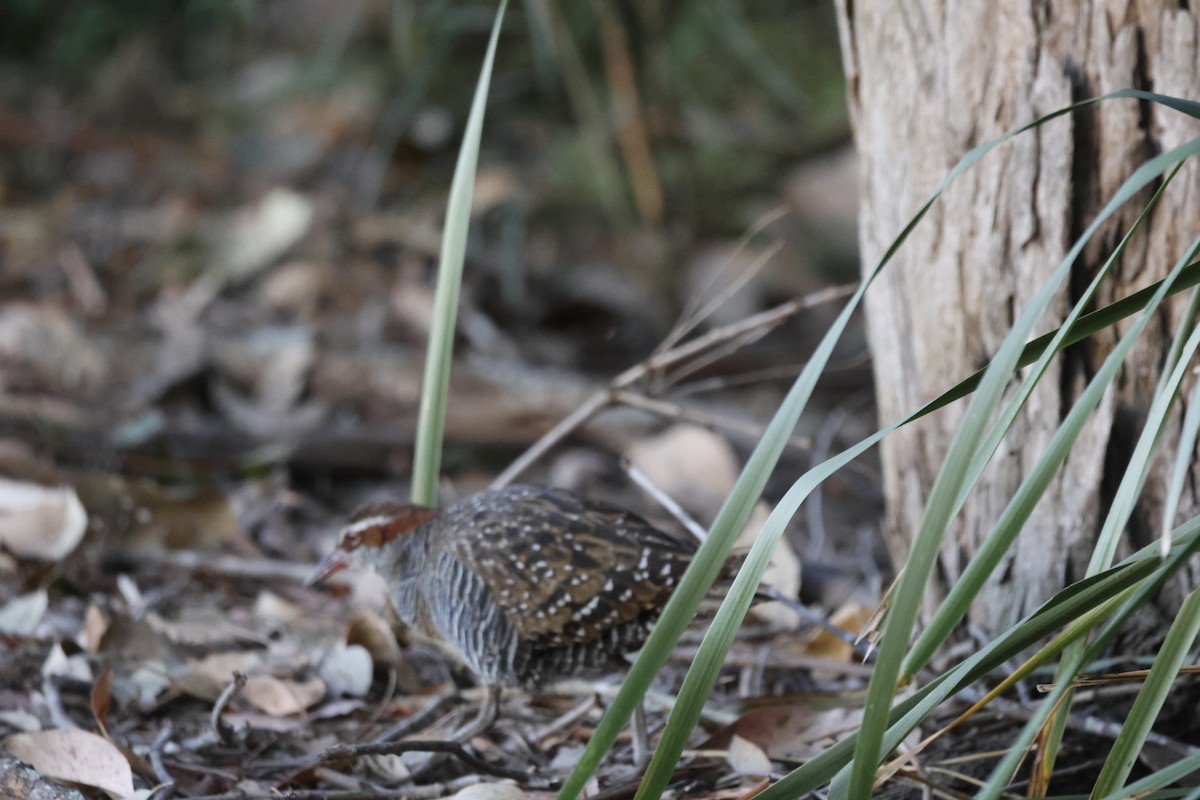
[[377, 526]]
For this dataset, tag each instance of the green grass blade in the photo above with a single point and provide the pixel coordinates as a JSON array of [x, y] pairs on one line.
[[705, 567], [950, 483], [1087, 325], [1065, 609], [706, 666], [1163, 777], [709, 559], [1139, 462], [1076, 657], [1131, 483], [656, 652], [698, 579], [1146, 707], [1006, 529], [1124, 500], [674, 620], [1185, 447], [435, 385]]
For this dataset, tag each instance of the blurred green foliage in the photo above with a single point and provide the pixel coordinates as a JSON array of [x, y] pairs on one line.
[[73, 35]]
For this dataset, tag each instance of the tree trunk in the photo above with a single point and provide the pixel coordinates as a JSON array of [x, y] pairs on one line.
[[927, 81]]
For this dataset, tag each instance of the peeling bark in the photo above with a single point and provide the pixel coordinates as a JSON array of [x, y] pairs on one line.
[[929, 80]]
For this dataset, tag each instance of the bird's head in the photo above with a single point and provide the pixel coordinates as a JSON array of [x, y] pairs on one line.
[[371, 538]]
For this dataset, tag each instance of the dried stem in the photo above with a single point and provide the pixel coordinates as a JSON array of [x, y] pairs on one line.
[[669, 409], [457, 749], [751, 327], [226, 733]]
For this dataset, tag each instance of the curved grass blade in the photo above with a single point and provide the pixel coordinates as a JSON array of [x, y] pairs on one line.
[[704, 568], [1156, 420], [698, 683], [1164, 777], [1183, 455], [1150, 577], [710, 557], [906, 596], [1087, 325], [703, 672], [942, 501], [1119, 512], [1129, 488], [1064, 609], [435, 385], [1008, 526], [1076, 657], [716, 643], [1129, 743]]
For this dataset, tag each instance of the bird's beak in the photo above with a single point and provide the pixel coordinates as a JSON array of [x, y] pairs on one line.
[[333, 563]]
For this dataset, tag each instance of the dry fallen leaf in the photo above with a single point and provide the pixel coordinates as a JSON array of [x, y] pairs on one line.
[[20, 720], [207, 677], [270, 606], [296, 287], [851, 618], [747, 758], [136, 513], [493, 185], [38, 521], [94, 626], [134, 638], [44, 350], [797, 730], [21, 615], [76, 756], [145, 687], [783, 572], [262, 232], [491, 791], [370, 630], [199, 627], [282, 698], [102, 700], [693, 466], [59, 665], [347, 671]]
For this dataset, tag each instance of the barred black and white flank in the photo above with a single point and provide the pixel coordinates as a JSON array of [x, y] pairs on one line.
[[528, 584]]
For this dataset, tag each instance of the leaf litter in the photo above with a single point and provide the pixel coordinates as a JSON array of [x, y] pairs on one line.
[[210, 353]]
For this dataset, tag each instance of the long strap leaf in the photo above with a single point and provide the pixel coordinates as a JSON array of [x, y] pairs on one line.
[[431, 419]]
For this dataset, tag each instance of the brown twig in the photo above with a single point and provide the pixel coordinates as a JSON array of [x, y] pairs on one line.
[[232, 566], [765, 320], [565, 720], [226, 733], [756, 325], [714, 355], [666, 501], [416, 720], [429, 791], [697, 311], [457, 749], [156, 759], [780, 659], [672, 410]]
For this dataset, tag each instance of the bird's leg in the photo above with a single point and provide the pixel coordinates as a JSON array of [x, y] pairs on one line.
[[489, 710]]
